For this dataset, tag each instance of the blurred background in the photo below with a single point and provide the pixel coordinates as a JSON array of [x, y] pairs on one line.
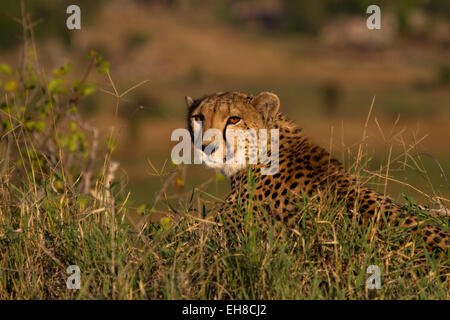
[[317, 56]]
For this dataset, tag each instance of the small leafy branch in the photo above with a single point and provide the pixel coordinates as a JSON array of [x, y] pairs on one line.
[[41, 124], [45, 145]]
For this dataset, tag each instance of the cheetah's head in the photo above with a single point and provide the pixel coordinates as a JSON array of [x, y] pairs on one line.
[[231, 114]]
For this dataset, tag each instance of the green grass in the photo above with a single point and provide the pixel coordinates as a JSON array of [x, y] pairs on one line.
[[187, 257]]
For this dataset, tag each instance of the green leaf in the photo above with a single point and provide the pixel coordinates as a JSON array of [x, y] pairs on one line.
[[165, 223], [83, 202], [53, 85], [7, 125], [72, 126], [88, 89], [35, 125], [11, 86], [141, 209], [40, 126], [62, 71], [73, 142], [6, 69], [63, 140], [103, 67], [29, 125]]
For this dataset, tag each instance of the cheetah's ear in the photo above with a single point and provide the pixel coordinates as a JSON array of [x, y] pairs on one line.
[[189, 101], [267, 103]]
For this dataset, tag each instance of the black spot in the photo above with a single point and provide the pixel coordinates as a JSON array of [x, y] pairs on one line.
[[298, 175], [278, 185], [274, 195], [317, 158], [294, 185]]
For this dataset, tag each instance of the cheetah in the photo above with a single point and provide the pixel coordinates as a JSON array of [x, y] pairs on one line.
[[303, 167]]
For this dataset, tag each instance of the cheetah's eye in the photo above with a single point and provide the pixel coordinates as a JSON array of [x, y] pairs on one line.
[[198, 118], [233, 120]]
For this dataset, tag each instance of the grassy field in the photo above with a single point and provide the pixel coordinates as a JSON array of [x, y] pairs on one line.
[[187, 257], [86, 178]]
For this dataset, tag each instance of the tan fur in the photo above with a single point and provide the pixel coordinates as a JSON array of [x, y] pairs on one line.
[[305, 168]]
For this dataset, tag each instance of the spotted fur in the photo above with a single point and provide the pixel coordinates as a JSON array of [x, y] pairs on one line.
[[304, 168]]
